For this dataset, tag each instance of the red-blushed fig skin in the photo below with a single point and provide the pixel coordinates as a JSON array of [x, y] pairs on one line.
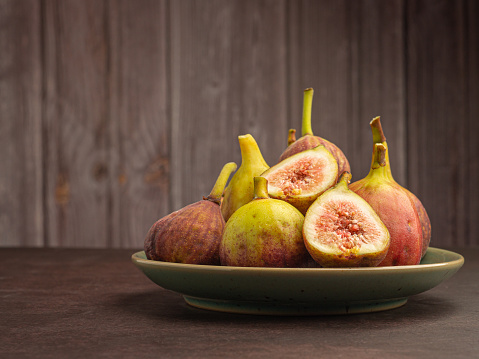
[[424, 219], [308, 142], [264, 233], [378, 137], [395, 208], [396, 211], [190, 235]]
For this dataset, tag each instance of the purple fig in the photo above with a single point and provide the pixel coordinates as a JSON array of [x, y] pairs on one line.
[[192, 234]]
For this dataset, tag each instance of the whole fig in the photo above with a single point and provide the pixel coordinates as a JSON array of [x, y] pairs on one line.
[[395, 209], [265, 232], [192, 234]]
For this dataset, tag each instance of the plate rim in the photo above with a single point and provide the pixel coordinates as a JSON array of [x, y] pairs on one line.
[[459, 261]]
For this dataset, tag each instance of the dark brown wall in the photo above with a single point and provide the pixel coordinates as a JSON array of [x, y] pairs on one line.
[[114, 113]]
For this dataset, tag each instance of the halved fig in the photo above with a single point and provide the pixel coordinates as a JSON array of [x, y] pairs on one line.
[[303, 177], [342, 230]]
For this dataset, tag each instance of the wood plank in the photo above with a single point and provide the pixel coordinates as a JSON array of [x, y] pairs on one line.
[[228, 78], [437, 133], [77, 162], [21, 181], [320, 58], [351, 54], [378, 69], [471, 161], [140, 118]]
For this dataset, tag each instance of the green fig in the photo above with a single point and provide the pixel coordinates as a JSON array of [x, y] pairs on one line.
[[394, 207], [309, 141], [302, 177], [378, 137], [265, 232], [240, 190], [342, 230], [192, 234]]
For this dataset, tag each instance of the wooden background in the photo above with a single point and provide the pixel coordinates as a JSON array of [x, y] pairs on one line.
[[116, 112]]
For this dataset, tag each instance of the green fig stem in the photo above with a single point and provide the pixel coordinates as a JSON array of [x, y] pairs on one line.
[[220, 184], [344, 179], [307, 105], [250, 152], [378, 134], [379, 137], [260, 188], [380, 163], [291, 136]]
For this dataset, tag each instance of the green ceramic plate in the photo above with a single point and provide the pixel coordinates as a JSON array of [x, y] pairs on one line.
[[300, 291]]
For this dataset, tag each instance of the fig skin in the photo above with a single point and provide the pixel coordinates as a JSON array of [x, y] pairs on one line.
[[192, 234], [423, 218], [348, 234], [264, 233], [378, 137], [309, 141], [240, 190], [395, 208]]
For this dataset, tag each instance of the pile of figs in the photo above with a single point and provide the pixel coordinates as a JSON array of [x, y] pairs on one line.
[[301, 212]]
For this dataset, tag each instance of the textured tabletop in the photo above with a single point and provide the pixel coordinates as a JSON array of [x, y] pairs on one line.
[[80, 303]]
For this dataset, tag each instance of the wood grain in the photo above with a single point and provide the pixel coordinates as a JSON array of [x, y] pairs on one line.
[[139, 118], [228, 70], [114, 113], [21, 176], [378, 83], [471, 155], [438, 138], [320, 57], [351, 54], [77, 124]]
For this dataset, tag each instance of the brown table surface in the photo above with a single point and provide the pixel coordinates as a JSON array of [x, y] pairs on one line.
[[88, 303]]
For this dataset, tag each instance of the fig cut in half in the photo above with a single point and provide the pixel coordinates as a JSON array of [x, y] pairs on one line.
[[342, 230], [303, 177]]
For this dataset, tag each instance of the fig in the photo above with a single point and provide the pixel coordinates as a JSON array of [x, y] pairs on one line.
[[192, 234], [240, 190], [394, 207], [265, 232], [378, 137], [301, 178], [342, 230], [309, 141]]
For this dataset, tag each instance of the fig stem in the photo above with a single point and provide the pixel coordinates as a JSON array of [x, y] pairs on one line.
[[380, 160], [379, 156], [250, 152], [291, 136], [378, 134], [307, 105], [380, 167], [220, 184], [260, 187], [345, 179]]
